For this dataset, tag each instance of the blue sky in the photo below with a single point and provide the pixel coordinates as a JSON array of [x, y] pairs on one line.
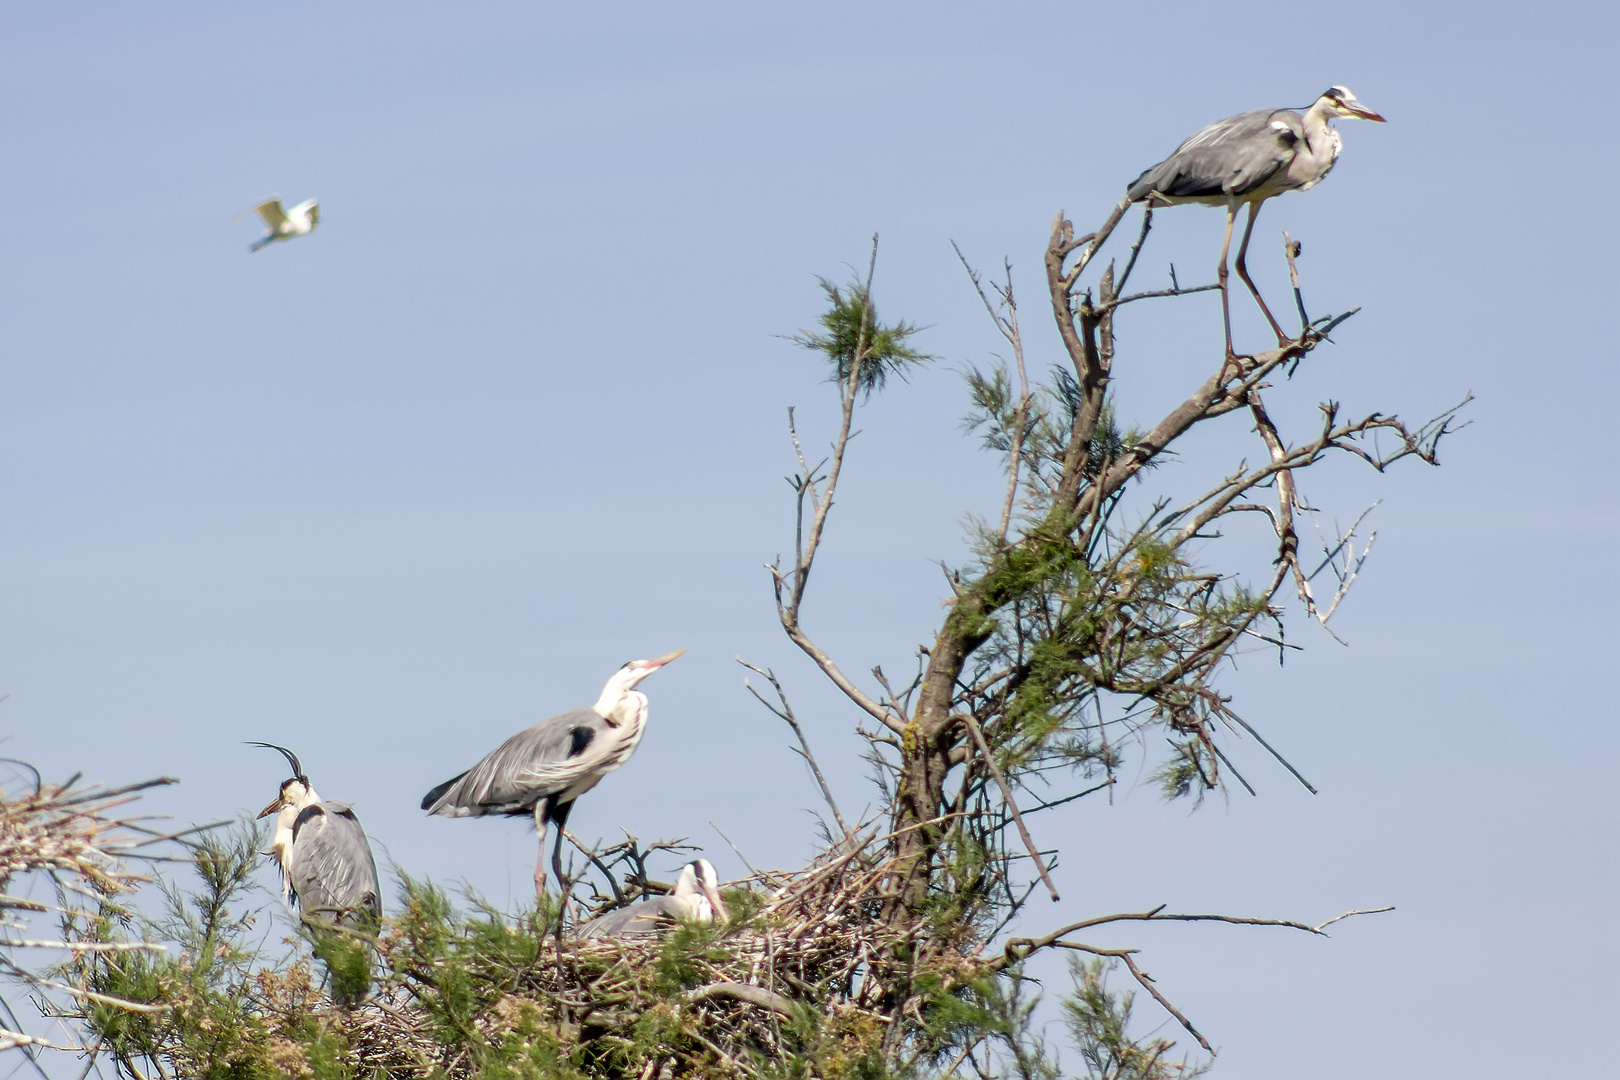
[[515, 414]]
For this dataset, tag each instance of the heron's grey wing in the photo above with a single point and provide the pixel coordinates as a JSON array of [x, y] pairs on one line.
[[640, 918], [536, 762], [274, 216], [1234, 156], [331, 865]]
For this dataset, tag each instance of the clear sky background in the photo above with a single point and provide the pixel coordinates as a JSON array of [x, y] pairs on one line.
[[515, 414]]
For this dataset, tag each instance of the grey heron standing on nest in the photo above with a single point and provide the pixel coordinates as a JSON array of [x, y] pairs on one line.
[[696, 898], [543, 769], [1246, 159], [326, 863]]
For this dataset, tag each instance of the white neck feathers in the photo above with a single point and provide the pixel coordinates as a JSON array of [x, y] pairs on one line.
[[619, 706], [299, 796]]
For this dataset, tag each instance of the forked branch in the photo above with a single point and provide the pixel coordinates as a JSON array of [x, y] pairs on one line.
[[784, 711]]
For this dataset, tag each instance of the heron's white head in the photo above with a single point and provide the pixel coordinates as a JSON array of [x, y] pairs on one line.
[[698, 889], [620, 701], [296, 793], [1337, 102]]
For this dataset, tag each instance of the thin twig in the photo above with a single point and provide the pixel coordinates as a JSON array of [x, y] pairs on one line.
[[1136, 248], [786, 714], [1007, 796], [735, 848], [1019, 949]]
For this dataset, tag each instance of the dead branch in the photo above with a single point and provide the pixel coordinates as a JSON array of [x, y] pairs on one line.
[[1007, 796], [753, 995], [785, 712], [1020, 949], [1008, 325]]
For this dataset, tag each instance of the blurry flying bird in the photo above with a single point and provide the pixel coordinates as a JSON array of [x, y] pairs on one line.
[[696, 899], [286, 224], [326, 863], [543, 769], [1248, 158]]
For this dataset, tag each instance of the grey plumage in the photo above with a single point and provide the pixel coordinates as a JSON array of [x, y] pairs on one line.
[[331, 868], [639, 918], [1247, 159], [696, 898], [544, 768], [552, 758], [1240, 156]]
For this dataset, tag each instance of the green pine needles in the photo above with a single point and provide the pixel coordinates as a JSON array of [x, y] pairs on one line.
[[850, 328]]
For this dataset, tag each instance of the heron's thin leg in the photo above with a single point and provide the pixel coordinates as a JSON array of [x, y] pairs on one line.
[[1243, 272], [556, 859], [1226, 309], [541, 809], [559, 817]]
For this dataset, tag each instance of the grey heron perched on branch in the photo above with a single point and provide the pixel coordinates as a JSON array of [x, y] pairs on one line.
[[285, 224], [543, 769], [696, 898], [1248, 158], [327, 867]]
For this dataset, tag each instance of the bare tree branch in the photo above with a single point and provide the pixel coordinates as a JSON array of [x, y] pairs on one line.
[[1007, 795], [785, 712], [1008, 325]]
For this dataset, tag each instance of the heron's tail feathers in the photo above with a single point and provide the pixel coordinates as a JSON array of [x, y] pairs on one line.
[[437, 793]]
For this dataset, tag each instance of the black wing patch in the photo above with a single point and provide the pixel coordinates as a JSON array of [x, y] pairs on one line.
[[582, 737], [308, 813]]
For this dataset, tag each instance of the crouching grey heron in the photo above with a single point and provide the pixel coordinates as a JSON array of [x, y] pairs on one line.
[[696, 899], [286, 224], [543, 769], [1248, 158], [327, 868]]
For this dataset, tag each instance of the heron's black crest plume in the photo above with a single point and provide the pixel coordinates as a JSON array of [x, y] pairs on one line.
[[292, 759]]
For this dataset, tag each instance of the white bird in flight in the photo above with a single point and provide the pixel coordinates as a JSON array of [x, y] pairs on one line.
[[286, 224]]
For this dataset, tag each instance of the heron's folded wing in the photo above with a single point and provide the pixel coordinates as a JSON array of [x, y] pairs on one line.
[[1233, 156], [331, 865], [539, 761], [274, 216], [640, 918]]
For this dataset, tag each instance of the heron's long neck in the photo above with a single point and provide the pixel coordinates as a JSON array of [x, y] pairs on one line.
[[281, 841], [620, 707], [688, 899], [1319, 133], [1315, 159]]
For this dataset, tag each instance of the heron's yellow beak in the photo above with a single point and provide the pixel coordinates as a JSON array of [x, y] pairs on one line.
[[721, 915], [275, 807], [666, 658], [1363, 113]]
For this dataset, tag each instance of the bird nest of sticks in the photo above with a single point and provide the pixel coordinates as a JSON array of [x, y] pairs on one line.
[[72, 832], [797, 973], [80, 838]]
